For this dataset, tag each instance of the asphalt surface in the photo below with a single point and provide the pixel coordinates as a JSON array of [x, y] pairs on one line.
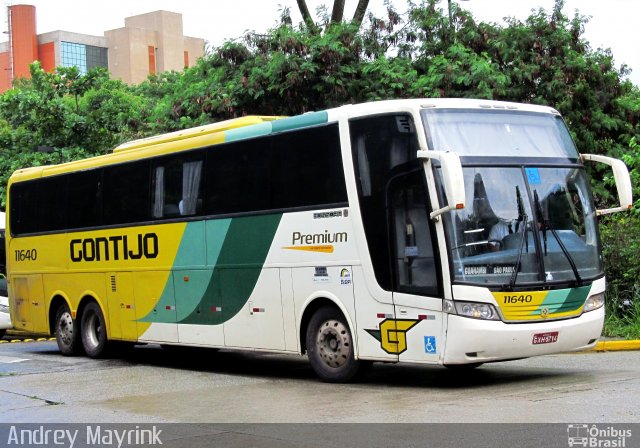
[[251, 399]]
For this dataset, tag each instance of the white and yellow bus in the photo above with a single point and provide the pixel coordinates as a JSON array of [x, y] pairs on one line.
[[451, 232]]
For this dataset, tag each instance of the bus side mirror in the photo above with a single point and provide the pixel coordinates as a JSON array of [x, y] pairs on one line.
[[452, 177], [622, 179]]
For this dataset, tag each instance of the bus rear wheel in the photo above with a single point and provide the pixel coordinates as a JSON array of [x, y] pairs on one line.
[[66, 332], [330, 346], [94, 331]]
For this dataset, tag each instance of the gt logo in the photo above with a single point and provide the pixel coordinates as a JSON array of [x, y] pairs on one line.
[[393, 334]]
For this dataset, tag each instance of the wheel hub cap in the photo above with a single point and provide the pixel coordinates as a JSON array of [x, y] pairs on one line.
[[333, 343]]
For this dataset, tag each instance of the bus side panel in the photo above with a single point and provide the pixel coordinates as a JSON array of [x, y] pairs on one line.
[[258, 324], [122, 318], [76, 287], [28, 306], [190, 286], [291, 332], [156, 315]]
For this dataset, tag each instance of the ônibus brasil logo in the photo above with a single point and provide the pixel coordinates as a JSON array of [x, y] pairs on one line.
[[594, 436]]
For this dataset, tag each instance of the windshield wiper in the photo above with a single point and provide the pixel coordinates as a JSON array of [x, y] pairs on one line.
[[516, 268], [524, 219], [547, 225]]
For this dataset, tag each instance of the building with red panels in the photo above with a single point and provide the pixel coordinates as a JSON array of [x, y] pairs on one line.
[[147, 44]]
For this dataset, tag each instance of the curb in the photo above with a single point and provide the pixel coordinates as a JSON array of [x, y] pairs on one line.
[[610, 346], [15, 341]]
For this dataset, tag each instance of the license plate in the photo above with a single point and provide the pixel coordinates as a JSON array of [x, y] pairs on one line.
[[545, 338]]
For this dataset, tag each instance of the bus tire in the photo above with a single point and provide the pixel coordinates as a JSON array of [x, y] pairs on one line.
[[94, 331], [330, 346], [66, 332]]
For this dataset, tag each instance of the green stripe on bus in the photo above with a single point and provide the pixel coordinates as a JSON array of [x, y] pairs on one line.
[[191, 285], [234, 278], [564, 300], [255, 130], [300, 121]]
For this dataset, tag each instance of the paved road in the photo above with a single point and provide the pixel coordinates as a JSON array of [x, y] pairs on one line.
[[148, 384]]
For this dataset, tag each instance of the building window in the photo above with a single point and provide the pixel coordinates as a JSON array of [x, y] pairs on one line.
[[85, 57], [96, 57]]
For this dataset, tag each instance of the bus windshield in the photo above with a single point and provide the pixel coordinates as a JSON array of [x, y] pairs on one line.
[[524, 225], [498, 133]]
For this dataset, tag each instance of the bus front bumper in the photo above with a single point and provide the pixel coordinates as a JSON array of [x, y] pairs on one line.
[[474, 340]]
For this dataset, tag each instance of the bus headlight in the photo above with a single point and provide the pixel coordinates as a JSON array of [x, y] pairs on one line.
[[594, 302], [476, 310]]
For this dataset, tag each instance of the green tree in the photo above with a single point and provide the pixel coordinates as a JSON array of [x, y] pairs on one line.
[[79, 115]]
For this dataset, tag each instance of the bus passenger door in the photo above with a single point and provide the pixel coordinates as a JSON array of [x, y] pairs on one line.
[[122, 313], [417, 285]]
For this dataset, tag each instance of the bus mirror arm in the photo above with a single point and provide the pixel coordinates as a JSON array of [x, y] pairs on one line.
[[452, 176], [622, 179]]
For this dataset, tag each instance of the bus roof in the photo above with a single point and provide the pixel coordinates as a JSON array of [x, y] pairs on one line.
[[195, 132], [257, 125]]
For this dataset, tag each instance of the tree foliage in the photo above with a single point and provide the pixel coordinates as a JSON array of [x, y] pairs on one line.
[[78, 115]]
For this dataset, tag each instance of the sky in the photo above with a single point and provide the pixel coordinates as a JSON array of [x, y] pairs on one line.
[[613, 23]]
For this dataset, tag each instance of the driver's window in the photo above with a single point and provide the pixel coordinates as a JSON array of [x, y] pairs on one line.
[[416, 267]]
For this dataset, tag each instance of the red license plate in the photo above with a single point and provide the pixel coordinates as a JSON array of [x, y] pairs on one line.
[[545, 338]]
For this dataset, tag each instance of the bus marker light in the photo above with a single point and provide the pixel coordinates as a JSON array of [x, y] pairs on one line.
[[185, 278], [170, 307], [384, 316], [216, 309], [426, 317], [257, 310]]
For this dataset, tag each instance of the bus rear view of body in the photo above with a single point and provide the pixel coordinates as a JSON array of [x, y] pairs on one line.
[[450, 232]]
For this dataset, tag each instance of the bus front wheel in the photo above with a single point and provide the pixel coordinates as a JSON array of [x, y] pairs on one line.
[[66, 332], [330, 346], [94, 331]]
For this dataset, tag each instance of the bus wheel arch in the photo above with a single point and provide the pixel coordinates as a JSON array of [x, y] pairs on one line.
[[64, 327], [328, 338], [93, 327], [310, 308]]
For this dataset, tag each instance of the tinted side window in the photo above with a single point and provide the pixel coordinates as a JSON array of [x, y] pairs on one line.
[[126, 193], [238, 177], [84, 199], [307, 168], [52, 203], [382, 146], [24, 207], [39, 205], [177, 186]]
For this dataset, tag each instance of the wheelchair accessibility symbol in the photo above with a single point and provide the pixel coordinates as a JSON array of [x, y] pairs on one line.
[[430, 344]]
